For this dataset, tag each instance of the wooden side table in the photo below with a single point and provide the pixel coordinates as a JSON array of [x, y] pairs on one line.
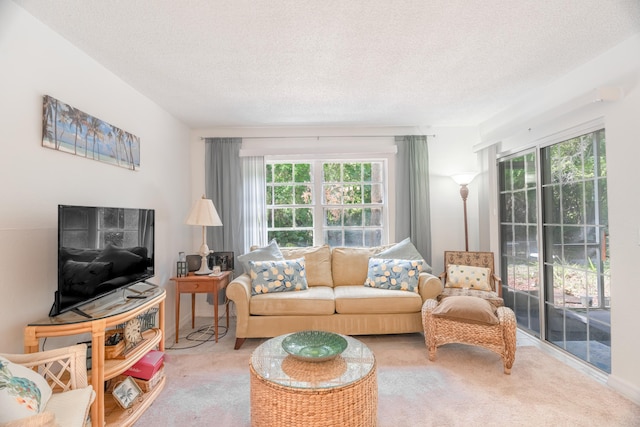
[[193, 284]]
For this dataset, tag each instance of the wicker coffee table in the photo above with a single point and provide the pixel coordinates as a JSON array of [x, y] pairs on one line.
[[286, 391]]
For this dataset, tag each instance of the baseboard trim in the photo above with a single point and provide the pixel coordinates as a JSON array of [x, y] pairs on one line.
[[625, 388]]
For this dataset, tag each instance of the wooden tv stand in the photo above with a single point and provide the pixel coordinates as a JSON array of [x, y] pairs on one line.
[[106, 313]]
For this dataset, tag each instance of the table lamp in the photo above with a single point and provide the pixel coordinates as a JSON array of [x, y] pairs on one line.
[[204, 213]]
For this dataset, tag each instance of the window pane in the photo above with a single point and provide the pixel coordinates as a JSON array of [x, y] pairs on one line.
[[552, 204], [332, 194], [302, 172], [373, 193], [352, 172], [506, 208], [352, 194], [366, 172], [283, 195], [519, 207], [282, 172], [333, 237], [303, 195], [352, 217], [530, 167], [269, 173], [373, 237], [269, 195], [304, 217], [292, 237], [353, 237], [572, 203], [331, 172], [532, 213], [283, 218], [373, 216], [333, 217], [377, 172]]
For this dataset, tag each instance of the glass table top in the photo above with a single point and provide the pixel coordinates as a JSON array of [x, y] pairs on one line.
[[272, 363]]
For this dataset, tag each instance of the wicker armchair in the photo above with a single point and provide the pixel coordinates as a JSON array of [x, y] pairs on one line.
[[499, 338], [474, 259], [65, 370]]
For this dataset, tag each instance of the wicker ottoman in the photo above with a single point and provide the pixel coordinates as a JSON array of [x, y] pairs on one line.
[[285, 391], [499, 337]]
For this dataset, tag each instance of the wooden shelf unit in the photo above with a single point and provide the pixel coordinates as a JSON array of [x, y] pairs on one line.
[[108, 312]]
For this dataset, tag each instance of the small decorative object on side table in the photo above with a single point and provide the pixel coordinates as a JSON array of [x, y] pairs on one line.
[[196, 284]]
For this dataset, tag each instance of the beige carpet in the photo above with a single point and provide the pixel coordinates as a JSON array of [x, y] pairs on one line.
[[465, 386]]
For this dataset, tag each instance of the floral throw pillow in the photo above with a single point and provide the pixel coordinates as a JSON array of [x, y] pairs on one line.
[[277, 276], [23, 392], [468, 277], [396, 274]]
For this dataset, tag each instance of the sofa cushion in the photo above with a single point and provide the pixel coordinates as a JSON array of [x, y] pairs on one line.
[[317, 263], [404, 250], [271, 252], [358, 299], [317, 300], [468, 277], [349, 266], [396, 274], [23, 392], [467, 309], [277, 276]]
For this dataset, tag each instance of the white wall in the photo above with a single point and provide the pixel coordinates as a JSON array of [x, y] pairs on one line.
[[35, 61], [569, 103]]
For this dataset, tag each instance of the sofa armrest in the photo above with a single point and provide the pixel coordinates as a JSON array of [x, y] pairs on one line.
[[429, 286], [239, 291]]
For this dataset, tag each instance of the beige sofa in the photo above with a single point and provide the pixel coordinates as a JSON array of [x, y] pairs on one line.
[[335, 301]]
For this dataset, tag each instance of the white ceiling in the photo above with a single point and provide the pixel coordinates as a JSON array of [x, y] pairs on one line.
[[214, 63]]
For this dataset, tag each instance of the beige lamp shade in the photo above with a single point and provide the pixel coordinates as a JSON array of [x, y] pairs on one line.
[[203, 213]]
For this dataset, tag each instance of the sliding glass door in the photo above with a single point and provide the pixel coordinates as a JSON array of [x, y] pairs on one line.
[[558, 194]]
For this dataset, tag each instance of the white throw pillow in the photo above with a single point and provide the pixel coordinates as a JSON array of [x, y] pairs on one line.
[[271, 252], [23, 392], [468, 277], [404, 250]]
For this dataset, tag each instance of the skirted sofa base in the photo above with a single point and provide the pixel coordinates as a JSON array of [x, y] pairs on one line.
[[336, 301]]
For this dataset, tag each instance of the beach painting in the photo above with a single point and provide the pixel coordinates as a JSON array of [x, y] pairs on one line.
[[67, 129]]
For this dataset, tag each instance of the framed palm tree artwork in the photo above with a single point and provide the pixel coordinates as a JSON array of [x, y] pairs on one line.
[[68, 129], [126, 392]]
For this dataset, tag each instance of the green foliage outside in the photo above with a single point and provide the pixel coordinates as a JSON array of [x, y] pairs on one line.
[[290, 185]]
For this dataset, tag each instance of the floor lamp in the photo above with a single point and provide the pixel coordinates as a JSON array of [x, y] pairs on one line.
[[204, 213], [464, 179]]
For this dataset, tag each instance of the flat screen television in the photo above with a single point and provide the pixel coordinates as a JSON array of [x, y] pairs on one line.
[[101, 250]]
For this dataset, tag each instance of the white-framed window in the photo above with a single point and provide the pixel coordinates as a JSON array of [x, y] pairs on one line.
[[327, 201]]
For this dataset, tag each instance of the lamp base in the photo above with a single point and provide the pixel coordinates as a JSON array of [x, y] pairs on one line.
[[204, 267]]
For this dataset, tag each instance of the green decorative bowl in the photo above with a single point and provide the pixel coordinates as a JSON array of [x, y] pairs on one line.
[[314, 346]]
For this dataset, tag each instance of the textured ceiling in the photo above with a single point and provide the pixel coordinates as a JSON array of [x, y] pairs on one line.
[[339, 62]]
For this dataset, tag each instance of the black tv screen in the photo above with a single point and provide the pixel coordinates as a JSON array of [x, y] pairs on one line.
[[101, 250]]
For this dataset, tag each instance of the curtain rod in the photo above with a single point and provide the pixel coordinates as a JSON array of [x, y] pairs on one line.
[[317, 137]]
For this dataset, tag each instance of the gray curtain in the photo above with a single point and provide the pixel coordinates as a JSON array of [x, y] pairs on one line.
[[223, 185], [413, 218]]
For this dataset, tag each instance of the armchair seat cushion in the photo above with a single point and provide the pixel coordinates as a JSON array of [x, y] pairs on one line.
[[467, 309], [362, 299], [317, 300], [71, 408], [490, 296]]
